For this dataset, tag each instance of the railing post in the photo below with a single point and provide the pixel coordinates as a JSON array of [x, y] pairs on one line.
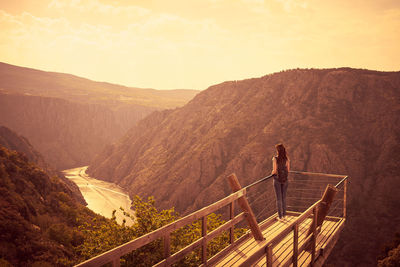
[[323, 207], [116, 262], [295, 244], [244, 204], [204, 244], [231, 216], [314, 236], [269, 255], [344, 198], [167, 248]]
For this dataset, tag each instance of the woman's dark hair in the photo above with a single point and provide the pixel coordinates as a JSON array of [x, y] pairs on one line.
[[282, 157]]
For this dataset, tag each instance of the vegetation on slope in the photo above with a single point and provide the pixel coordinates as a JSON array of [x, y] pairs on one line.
[[390, 256], [41, 224]]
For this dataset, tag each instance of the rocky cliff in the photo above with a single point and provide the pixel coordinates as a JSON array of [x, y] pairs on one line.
[[343, 121], [66, 134]]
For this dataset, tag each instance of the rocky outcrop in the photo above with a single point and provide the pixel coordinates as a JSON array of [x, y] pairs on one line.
[[343, 121]]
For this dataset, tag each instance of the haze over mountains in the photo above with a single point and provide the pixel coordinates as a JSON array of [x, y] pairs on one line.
[[69, 119], [344, 121]]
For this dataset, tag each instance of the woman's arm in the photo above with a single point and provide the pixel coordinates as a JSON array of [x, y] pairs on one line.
[[288, 165], [274, 167]]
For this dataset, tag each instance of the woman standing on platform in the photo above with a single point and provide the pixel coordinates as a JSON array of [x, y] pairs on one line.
[[280, 170]]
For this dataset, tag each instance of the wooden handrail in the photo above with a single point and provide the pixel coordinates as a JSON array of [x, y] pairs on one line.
[[265, 248], [115, 254]]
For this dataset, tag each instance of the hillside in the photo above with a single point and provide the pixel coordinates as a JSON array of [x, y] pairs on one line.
[[42, 225], [12, 141], [333, 120], [76, 89], [37, 215]]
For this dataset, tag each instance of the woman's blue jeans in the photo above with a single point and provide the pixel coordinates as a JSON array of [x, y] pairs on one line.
[[280, 192]]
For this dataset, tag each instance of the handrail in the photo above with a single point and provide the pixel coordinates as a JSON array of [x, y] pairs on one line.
[[297, 172], [115, 254], [341, 181], [259, 181], [318, 173]]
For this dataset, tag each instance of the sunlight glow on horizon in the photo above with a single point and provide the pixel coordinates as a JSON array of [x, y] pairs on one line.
[[194, 44]]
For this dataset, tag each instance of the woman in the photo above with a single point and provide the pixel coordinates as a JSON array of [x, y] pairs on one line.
[[280, 170]]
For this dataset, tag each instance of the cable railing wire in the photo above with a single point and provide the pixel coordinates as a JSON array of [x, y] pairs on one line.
[[304, 190]]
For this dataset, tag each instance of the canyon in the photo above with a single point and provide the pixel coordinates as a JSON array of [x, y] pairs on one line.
[[344, 121]]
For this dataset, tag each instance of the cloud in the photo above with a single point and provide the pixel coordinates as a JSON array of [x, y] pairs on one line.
[[293, 5], [95, 6], [232, 40], [259, 2], [159, 43]]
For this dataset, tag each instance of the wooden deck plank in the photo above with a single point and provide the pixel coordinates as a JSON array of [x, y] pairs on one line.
[[240, 253], [328, 229], [282, 252]]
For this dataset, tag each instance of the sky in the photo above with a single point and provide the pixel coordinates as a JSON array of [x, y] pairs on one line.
[[193, 44]]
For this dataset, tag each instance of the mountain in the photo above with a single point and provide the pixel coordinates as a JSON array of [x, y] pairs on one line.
[[11, 141], [69, 119], [344, 121], [76, 89]]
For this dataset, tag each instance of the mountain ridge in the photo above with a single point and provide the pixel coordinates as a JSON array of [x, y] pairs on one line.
[[74, 88]]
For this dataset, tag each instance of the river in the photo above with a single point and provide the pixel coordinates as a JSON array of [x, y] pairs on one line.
[[102, 197]]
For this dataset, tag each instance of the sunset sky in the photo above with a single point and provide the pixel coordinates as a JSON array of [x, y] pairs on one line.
[[192, 44]]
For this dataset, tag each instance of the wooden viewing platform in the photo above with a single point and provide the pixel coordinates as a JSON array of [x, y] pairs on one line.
[[304, 238]]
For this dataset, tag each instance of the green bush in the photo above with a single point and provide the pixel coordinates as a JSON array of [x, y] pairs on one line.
[[60, 233], [392, 260]]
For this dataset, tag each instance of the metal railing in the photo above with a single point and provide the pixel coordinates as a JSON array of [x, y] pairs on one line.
[[266, 249]]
